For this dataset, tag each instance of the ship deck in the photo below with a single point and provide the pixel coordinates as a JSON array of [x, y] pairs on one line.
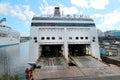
[[87, 67]]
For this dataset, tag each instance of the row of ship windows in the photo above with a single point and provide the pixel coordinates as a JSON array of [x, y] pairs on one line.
[[68, 19], [64, 24], [48, 38], [60, 38]]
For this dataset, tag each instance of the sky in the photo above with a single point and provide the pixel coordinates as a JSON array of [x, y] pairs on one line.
[[106, 13]]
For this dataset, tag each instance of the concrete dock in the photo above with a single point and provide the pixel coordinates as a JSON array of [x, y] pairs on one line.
[[87, 67]]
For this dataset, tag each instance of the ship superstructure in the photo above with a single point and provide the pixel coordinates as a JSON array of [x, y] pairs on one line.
[[53, 36], [8, 36]]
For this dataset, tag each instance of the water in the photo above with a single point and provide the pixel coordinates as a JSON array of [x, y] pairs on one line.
[[14, 59]]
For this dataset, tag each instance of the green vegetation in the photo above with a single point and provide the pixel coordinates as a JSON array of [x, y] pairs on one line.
[[7, 76]]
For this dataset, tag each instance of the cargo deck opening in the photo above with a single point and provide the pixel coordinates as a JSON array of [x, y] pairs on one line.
[[51, 58], [51, 51], [77, 49]]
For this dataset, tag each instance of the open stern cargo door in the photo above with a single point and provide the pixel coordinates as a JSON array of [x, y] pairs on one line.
[[51, 58]]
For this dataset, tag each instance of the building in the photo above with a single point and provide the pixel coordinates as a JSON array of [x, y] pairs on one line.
[[54, 35], [117, 34], [113, 33]]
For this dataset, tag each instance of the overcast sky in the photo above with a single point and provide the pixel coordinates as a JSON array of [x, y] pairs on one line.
[[106, 13]]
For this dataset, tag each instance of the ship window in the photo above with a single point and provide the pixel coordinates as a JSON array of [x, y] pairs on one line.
[[53, 38], [93, 40], [81, 37], [35, 38], [64, 24], [76, 38], [60, 38], [70, 38], [35, 41], [86, 37], [48, 38], [42, 38]]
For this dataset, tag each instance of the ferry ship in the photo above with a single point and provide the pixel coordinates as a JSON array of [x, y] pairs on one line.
[[53, 36], [65, 47], [8, 36]]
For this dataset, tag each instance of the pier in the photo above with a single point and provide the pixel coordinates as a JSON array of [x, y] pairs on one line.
[[85, 67]]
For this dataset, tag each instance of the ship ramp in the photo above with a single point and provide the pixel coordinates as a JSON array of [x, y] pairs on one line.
[[52, 63], [87, 62]]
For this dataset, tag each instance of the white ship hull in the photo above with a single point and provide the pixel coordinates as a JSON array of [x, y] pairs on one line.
[[6, 41]]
